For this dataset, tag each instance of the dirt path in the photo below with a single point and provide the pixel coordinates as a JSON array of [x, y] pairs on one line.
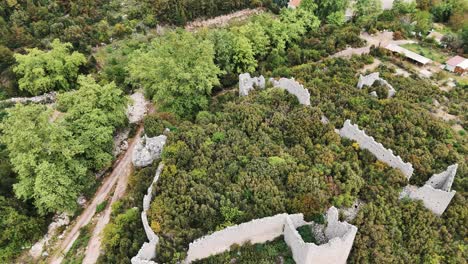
[[120, 172], [222, 20], [381, 39], [94, 244]]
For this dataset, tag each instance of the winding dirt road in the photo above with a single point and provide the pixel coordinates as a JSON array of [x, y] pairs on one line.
[[120, 173]]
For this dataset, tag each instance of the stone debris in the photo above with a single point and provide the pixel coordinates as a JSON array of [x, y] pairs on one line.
[[147, 150], [351, 212], [37, 249], [436, 193], [247, 83], [47, 98], [370, 79], [120, 142], [138, 109]]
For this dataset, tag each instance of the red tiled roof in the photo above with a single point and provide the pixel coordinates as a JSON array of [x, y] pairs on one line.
[[295, 3], [455, 61]]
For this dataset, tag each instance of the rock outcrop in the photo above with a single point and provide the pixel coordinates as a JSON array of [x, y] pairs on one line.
[[147, 150]]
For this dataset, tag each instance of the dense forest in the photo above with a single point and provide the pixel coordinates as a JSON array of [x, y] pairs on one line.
[[228, 159]]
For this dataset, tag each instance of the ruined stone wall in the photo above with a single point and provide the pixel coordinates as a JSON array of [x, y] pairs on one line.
[[294, 88], [381, 153], [247, 83], [148, 250], [435, 194], [255, 231], [45, 98], [340, 237], [370, 79]]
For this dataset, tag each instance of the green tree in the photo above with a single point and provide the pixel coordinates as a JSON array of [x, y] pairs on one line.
[[177, 71], [44, 71], [44, 157], [367, 11]]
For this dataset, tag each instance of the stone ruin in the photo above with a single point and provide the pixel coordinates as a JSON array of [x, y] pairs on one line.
[[247, 83], [147, 150], [47, 98], [435, 194], [137, 110], [353, 132], [338, 238], [370, 79], [148, 250], [294, 88]]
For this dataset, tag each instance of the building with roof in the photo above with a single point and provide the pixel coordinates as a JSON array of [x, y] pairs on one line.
[[408, 54], [457, 64]]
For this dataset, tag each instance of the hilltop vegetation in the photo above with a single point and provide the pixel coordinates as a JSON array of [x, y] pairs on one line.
[[228, 159]]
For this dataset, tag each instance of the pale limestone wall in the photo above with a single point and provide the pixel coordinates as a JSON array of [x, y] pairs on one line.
[[45, 98], [247, 83], [294, 88], [370, 79], [255, 231], [353, 132], [435, 194], [148, 250], [340, 237]]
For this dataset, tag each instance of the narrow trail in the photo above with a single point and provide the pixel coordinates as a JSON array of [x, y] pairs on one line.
[[120, 173]]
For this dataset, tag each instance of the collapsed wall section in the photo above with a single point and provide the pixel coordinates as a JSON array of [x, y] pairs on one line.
[[435, 194], [370, 79], [353, 132], [247, 83], [148, 250], [255, 231]]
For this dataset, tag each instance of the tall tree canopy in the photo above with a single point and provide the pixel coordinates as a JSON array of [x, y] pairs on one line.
[[53, 153], [53, 70], [176, 70]]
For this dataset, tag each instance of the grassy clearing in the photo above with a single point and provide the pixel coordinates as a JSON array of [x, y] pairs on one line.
[[428, 52]]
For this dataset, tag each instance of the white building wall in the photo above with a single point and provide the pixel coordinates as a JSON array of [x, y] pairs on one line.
[[294, 88]]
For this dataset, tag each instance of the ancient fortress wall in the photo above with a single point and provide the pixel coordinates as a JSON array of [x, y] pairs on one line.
[[353, 132], [148, 250], [247, 83], [370, 79], [340, 236], [435, 194], [294, 88], [255, 231]]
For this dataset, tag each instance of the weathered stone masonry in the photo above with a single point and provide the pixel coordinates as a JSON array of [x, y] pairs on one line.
[[435, 194], [370, 79], [247, 83], [353, 132], [148, 250], [339, 236]]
